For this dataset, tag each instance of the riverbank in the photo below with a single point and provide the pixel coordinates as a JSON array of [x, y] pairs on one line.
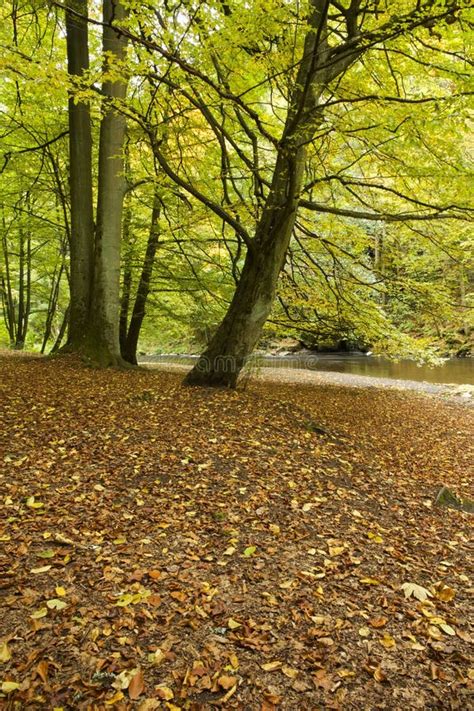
[[463, 394]]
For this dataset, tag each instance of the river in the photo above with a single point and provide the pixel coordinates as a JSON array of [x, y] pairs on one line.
[[456, 370]]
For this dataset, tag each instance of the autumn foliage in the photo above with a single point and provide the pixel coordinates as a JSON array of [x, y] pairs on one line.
[[274, 547]]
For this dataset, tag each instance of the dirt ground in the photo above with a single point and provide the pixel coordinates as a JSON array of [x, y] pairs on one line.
[[274, 547]]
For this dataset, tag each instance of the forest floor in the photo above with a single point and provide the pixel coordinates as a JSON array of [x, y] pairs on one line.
[[175, 548]]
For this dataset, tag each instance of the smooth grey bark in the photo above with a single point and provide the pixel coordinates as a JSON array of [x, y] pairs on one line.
[[103, 334], [80, 176]]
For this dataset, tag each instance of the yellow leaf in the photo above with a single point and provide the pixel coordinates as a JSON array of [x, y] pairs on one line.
[[445, 593], [447, 629], [364, 632], [122, 680], [234, 661], [229, 551], [118, 696], [43, 569], [9, 686], [336, 550], [124, 600], [164, 692], [387, 641], [157, 657], [250, 550], [434, 632], [37, 614], [233, 624], [290, 672], [56, 604], [32, 504], [370, 581], [274, 528], [271, 666], [60, 591], [5, 654]]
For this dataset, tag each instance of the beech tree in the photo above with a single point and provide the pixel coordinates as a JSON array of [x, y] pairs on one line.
[[321, 63], [300, 163], [95, 250]]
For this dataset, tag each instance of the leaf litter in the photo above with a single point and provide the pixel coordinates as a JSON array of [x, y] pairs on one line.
[[206, 549]]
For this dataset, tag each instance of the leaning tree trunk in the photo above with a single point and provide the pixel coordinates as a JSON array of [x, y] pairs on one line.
[[103, 335], [242, 326], [80, 160], [129, 348]]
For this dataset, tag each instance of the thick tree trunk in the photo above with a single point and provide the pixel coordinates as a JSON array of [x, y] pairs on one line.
[[242, 326], [236, 337], [80, 161], [129, 350], [103, 336]]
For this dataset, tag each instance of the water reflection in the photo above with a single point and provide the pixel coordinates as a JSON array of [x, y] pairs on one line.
[[456, 370]]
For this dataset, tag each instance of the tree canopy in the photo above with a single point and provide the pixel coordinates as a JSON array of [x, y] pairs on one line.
[[302, 167]]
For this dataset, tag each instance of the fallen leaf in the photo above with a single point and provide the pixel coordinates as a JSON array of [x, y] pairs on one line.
[[250, 550], [412, 589], [122, 680], [56, 604], [136, 686], [164, 692], [226, 681], [43, 569], [271, 666], [32, 504], [9, 686], [38, 614], [5, 653]]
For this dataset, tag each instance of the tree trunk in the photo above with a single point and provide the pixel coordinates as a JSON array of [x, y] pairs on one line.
[[8, 302], [236, 337], [242, 326], [62, 330], [80, 161], [24, 290], [126, 280], [129, 350], [103, 335]]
